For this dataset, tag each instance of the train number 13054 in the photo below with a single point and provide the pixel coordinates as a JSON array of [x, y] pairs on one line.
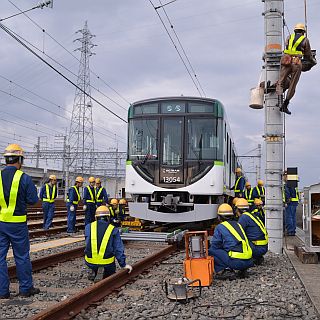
[[171, 179]]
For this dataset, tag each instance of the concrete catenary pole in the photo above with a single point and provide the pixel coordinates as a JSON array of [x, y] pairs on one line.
[[273, 18]]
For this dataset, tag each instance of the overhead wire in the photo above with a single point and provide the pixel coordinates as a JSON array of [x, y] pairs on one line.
[[75, 57], [176, 48], [8, 31]]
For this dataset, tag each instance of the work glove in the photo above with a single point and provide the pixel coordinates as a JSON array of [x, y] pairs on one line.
[[84, 207], [72, 208], [127, 266]]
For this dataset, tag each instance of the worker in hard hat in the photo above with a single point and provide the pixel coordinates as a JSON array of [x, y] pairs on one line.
[[72, 204], [248, 192], [239, 184], [115, 212], [48, 194], [297, 47], [16, 191], [257, 210], [259, 191], [255, 230], [100, 193], [122, 207], [229, 246], [234, 201], [89, 201], [103, 245]]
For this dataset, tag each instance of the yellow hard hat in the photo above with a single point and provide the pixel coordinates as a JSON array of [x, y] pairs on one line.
[[234, 201], [248, 184], [258, 202], [123, 201], [102, 211], [79, 179], [300, 26], [238, 170], [13, 150], [242, 204], [225, 210], [114, 201], [91, 179], [98, 180], [52, 177], [260, 183]]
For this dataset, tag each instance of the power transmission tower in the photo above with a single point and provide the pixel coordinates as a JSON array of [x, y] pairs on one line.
[[81, 139]]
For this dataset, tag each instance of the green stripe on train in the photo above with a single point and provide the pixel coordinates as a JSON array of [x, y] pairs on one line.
[[129, 162], [218, 163]]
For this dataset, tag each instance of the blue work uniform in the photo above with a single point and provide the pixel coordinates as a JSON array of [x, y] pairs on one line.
[[106, 256], [259, 193], [256, 233], [224, 243], [48, 194], [73, 200], [101, 196], [292, 201], [89, 200], [259, 213], [248, 195], [13, 227], [239, 187]]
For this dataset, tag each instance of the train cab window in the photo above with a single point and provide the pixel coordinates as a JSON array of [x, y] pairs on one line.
[[200, 107], [204, 141], [151, 108], [143, 139], [172, 149], [173, 107]]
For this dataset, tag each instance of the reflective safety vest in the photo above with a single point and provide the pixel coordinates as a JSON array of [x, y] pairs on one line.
[[296, 198], [248, 196], [78, 194], [236, 185], [260, 224], [246, 249], [113, 213], [48, 198], [92, 200], [292, 47], [98, 256], [260, 193], [259, 213], [6, 212], [97, 194]]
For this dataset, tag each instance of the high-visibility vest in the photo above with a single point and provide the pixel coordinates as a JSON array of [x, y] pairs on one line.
[[98, 194], [258, 213], [260, 224], [98, 256], [78, 194], [248, 196], [236, 185], [92, 200], [48, 198], [260, 193], [296, 198], [7, 211], [292, 46], [113, 213], [246, 249]]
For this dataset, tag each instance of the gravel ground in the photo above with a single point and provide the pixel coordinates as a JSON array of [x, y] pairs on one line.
[[60, 282], [274, 282]]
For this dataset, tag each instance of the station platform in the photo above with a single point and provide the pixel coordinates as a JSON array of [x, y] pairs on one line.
[[35, 247], [308, 273]]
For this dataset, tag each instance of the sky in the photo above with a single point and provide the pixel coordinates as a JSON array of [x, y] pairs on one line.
[[224, 40]]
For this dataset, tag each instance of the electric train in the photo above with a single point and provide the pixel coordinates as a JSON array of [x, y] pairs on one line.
[[181, 159]]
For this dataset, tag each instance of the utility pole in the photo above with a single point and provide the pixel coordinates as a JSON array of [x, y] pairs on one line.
[[259, 162], [38, 152], [273, 18]]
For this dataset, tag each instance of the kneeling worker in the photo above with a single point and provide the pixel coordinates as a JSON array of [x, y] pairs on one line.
[[255, 231], [103, 245], [230, 247]]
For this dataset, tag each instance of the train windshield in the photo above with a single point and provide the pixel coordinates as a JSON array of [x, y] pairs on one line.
[[172, 142], [143, 139], [204, 139]]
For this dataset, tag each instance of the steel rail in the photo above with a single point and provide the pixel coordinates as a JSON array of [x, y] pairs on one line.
[[51, 260], [63, 222], [70, 307], [49, 232]]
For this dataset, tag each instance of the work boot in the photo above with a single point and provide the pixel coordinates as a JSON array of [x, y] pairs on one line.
[[31, 292], [91, 275], [5, 296], [284, 107], [242, 274], [99, 275]]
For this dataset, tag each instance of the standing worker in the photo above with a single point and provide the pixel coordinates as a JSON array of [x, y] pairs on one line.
[[72, 204], [89, 200], [16, 191], [114, 212], [259, 191], [239, 185], [297, 47], [48, 193], [229, 246], [100, 193], [122, 209], [248, 193], [103, 245]]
